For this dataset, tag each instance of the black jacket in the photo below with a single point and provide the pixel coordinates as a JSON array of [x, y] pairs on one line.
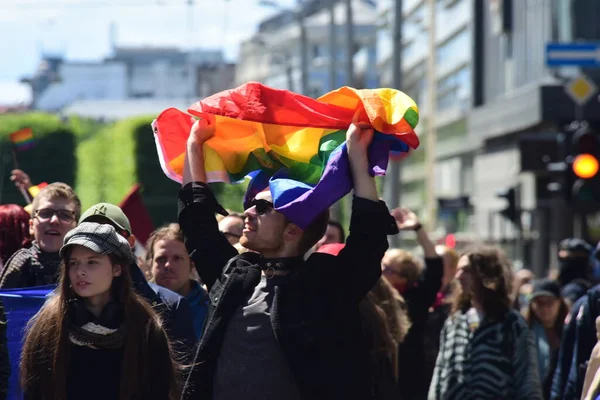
[[412, 376], [30, 267], [315, 313]]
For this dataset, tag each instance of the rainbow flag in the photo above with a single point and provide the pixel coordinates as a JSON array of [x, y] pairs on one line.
[[22, 139], [35, 189], [292, 143]]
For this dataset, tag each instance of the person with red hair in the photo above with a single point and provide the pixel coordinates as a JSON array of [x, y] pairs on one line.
[[14, 230]]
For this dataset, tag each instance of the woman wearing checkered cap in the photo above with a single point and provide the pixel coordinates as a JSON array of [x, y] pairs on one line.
[[97, 339]]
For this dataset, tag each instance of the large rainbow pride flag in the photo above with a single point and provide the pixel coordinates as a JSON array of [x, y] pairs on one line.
[[292, 143]]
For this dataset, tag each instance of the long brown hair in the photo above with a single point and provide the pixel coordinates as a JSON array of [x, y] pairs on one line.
[[45, 354], [490, 270], [385, 314], [559, 322]]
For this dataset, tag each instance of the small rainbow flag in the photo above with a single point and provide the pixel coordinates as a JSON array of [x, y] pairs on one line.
[[35, 189], [22, 139]]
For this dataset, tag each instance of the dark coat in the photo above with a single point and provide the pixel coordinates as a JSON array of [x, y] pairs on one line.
[[315, 312], [174, 309]]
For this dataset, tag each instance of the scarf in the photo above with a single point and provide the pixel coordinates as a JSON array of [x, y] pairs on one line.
[[104, 332]]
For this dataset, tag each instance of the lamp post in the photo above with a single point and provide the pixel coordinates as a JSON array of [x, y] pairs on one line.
[[349, 44], [394, 176], [430, 204], [299, 16]]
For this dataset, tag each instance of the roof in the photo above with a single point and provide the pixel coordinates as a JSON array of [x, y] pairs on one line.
[[118, 109]]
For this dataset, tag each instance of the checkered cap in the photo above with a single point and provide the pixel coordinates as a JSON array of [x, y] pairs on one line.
[[99, 238]]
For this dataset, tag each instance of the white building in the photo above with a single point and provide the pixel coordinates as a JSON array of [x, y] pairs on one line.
[[84, 81], [134, 73]]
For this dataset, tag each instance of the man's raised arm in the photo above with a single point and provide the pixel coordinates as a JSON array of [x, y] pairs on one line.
[[208, 248], [370, 223]]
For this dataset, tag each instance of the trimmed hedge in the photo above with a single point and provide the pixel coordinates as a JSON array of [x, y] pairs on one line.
[[53, 157], [123, 154]]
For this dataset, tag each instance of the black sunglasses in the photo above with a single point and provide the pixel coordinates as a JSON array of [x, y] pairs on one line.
[[262, 206]]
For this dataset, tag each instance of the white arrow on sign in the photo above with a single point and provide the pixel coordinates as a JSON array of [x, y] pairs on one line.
[[578, 55]]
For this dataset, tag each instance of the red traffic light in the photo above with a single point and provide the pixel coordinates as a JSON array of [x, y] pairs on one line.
[[585, 166]]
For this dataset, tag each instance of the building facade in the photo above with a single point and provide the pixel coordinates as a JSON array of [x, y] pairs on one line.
[[132, 73], [272, 55], [453, 171], [519, 108]]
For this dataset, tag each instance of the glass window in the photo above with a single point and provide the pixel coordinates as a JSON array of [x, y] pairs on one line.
[[457, 47], [455, 90]]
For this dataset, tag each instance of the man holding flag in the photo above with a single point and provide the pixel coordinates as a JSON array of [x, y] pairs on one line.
[[279, 326]]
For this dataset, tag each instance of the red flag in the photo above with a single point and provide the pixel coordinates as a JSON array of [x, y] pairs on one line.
[[139, 218]]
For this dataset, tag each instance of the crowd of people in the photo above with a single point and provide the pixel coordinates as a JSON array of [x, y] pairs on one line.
[[223, 305]]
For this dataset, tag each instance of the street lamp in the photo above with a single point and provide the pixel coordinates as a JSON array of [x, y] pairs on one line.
[[299, 16]]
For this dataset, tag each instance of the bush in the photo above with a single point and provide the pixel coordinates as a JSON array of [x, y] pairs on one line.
[[52, 159]]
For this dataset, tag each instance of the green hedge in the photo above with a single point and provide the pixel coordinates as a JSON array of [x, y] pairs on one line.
[[124, 153], [53, 157]]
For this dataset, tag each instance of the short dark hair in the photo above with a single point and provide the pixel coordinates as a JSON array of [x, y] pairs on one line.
[[340, 228], [314, 232]]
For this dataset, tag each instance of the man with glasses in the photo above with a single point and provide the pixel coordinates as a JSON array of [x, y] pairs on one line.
[[54, 212]]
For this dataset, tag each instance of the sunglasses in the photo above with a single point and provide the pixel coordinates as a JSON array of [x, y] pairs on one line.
[[262, 206], [46, 214]]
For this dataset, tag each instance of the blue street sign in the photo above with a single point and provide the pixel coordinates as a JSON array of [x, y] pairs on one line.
[[573, 54]]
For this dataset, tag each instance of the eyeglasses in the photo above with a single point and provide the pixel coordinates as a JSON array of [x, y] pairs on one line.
[[46, 214], [262, 206]]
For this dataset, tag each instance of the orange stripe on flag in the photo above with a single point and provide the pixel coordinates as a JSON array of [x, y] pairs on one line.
[[21, 136]]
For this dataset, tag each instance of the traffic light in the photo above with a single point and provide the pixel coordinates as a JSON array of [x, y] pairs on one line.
[[584, 180], [511, 212]]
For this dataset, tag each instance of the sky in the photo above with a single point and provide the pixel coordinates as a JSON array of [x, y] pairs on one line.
[[80, 29]]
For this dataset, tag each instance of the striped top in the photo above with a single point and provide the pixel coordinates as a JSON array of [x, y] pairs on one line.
[[495, 360]]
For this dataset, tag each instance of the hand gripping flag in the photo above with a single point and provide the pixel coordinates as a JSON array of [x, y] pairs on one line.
[[291, 143]]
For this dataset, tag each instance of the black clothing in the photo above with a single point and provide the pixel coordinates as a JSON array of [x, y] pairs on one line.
[[315, 314], [412, 376], [30, 267]]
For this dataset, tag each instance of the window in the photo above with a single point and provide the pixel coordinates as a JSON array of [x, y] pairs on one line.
[[456, 48], [318, 51], [455, 90]]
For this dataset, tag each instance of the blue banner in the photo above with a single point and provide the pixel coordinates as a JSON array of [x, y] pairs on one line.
[[20, 305]]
